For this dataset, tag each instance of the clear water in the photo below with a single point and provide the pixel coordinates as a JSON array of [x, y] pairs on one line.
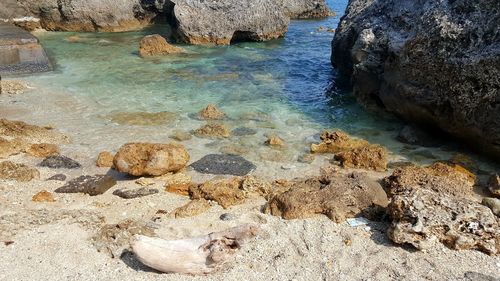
[[283, 87]]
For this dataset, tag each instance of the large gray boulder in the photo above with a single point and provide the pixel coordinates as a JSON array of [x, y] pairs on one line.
[[431, 62], [306, 9], [222, 22]]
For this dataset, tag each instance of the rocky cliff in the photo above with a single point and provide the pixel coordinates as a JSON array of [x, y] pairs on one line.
[[432, 62]]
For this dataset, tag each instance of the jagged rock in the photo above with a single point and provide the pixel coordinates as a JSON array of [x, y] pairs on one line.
[[428, 62], [215, 22], [104, 159], [60, 162], [127, 193], [439, 177], [113, 239], [156, 45], [12, 147], [180, 135], [143, 118], [494, 185], [30, 133], [493, 204], [221, 164], [275, 141], [43, 196], [306, 9], [421, 217], [416, 136], [336, 196], [211, 112], [226, 192], [177, 183], [243, 131], [371, 157], [43, 150], [337, 141], [191, 209], [91, 185], [213, 130], [17, 172], [57, 177], [150, 159]]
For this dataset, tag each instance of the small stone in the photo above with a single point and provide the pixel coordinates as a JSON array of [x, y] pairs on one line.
[[306, 158], [57, 177], [221, 164], [43, 196], [275, 141], [213, 130], [228, 217], [145, 182], [178, 183], [156, 45], [60, 162], [493, 204], [92, 185], [494, 185], [127, 193], [193, 208], [141, 118], [18, 172], [43, 150], [179, 135], [243, 131], [211, 113], [105, 159]]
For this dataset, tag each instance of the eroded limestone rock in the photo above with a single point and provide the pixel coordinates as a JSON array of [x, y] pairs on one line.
[[43, 150], [211, 112], [213, 130], [371, 157], [156, 45], [105, 159], [226, 192], [30, 133], [275, 141], [17, 172], [43, 196], [336, 141], [192, 208]]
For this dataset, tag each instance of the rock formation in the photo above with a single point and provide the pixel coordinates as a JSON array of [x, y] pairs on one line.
[[431, 62], [155, 45], [306, 9]]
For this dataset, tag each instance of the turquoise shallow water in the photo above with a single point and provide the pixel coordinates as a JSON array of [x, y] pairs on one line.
[[286, 87]]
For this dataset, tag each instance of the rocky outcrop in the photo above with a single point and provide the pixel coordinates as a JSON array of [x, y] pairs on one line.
[[156, 45], [336, 141], [150, 159], [431, 62], [306, 9], [222, 22]]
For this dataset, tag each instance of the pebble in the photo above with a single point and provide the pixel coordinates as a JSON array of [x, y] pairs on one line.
[[135, 193], [57, 177], [228, 217]]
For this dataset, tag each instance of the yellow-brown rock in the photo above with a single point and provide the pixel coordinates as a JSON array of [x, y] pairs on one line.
[[17, 172], [337, 141], [213, 130], [370, 157], [226, 192], [193, 208], [43, 196], [43, 150], [104, 159], [275, 141], [211, 112], [156, 45], [150, 159]]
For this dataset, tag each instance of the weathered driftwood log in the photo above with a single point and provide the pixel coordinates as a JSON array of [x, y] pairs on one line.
[[197, 255]]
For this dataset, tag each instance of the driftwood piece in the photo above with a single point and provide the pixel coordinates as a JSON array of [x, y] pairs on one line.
[[197, 255]]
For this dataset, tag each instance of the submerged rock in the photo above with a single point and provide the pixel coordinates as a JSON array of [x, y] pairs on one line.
[[129, 193], [306, 9], [428, 62], [104, 159], [156, 45], [371, 157], [494, 185], [337, 141], [30, 133], [43, 150], [211, 113], [416, 136], [192, 208], [17, 172], [421, 217], [215, 22], [221, 164], [143, 118], [439, 177], [213, 130], [179, 135], [43, 196], [275, 141], [91, 185], [336, 196], [243, 131], [150, 159], [60, 162]]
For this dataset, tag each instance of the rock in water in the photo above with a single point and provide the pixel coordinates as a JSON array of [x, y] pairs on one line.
[[494, 185], [104, 159], [216, 22], [422, 217], [43, 150], [211, 113], [306, 9], [135, 193], [336, 141], [427, 61], [155, 45], [213, 130], [150, 159], [243, 131], [275, 141], [221, 164], [60, 162], [30, 133], [91, 185], [17, 172], [191, 209], [371, 157], [336, 196], [141, 118]]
